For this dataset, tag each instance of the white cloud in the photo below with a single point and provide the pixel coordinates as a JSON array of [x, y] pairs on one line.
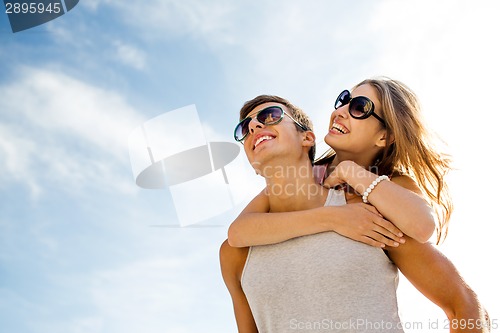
[[16, 161], [288, 48], [60, 129], [130, 55], [190, 17]]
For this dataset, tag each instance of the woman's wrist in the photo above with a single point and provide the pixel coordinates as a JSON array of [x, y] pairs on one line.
[[352, 173], [345, 170], [372, 186]]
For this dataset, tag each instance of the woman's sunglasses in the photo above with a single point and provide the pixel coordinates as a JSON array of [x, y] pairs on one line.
[[271, 115], [360, 107]]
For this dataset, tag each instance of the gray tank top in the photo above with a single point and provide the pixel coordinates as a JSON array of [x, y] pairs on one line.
[[320, 283]]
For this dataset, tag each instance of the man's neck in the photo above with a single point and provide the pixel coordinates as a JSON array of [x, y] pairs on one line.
[[292, 187]]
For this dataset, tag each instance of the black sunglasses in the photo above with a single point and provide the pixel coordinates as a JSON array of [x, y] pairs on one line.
[[271, 115], [360, 107]]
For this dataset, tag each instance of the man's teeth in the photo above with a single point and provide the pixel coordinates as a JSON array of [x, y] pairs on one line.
[[338, 128], [263, 138]]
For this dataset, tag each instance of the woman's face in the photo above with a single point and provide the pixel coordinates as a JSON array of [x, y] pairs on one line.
[[356, 136]]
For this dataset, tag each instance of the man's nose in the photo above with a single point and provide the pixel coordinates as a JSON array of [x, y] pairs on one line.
[[254, 123]]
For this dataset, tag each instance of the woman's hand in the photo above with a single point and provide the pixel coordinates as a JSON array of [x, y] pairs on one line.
[[340, 174], [363, 223]]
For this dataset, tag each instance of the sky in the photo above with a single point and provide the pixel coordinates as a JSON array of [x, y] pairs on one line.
[[84, 249]]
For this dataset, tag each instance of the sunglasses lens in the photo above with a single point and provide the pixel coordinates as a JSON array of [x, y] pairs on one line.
[[360, 107], [343, 99], [241, 130], [270, 115]]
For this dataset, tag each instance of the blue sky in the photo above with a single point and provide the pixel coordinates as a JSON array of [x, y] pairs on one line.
[[83, 249]]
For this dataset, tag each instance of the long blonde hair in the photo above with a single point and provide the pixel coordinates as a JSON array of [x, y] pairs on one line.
[[413, 151]]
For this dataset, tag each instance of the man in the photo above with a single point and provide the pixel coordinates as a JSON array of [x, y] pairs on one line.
[[302, 277]]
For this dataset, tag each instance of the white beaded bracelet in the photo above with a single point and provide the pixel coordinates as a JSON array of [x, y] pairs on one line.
[[372, 186]]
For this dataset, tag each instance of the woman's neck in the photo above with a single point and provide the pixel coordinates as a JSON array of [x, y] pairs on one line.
[[364, 161]]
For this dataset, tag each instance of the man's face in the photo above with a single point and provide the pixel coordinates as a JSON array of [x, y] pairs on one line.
[[265, 143]]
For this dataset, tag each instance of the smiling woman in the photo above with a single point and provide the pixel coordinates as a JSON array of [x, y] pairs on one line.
[[405, 147]]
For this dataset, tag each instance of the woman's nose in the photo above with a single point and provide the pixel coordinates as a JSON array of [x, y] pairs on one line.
[[335, 114], [341, 112]]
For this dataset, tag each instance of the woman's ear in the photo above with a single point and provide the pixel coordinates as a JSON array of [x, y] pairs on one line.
[[385, 139], [309, 139]]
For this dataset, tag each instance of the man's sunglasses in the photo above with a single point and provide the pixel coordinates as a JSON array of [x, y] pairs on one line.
[[271, 115], [360, 107]]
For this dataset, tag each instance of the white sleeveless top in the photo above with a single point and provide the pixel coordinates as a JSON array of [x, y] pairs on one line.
[[320, 283]]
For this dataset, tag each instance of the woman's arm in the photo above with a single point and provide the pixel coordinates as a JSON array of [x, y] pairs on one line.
[[232, 261], [436, 277], [360, 222], [399, 201]]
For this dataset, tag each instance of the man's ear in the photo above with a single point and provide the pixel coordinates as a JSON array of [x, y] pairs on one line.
[[309, 139], [385, 139]]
